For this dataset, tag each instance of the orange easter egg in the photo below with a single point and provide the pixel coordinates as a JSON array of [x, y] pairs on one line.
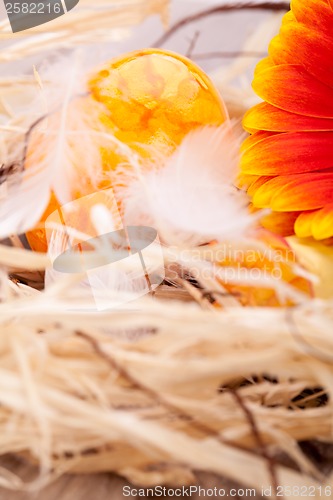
[[268, 256], [150, 99], [156, 97]]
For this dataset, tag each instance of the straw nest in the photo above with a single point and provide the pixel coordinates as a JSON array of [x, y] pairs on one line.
[[155, 393]]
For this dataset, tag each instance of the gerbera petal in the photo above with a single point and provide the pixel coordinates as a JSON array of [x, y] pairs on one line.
[[244, 181], [280, 222], [293, 89], [308, 192], [322, 224], [257, 183], [317, 223], [314, 13], [255, 138], [287, 193], [287, 164], [300, 43], [280, 52], [263, 196], [292, 153], [303, 224], [288, 17], [264, 64], [266, 117]]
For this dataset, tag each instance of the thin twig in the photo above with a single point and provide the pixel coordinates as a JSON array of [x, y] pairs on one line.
[[155, 396], [136, 384], [220, 9], [227, 55], [193, 44], [260, 442], [7, 170]]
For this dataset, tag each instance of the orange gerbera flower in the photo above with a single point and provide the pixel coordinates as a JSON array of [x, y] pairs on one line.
[[287, 164]]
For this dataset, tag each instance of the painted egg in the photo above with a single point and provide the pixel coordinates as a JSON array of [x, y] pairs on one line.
[[151, 99], [155, 97]]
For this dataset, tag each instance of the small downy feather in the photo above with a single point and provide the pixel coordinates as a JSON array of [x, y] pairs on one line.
[[61, 144], [191, 199]]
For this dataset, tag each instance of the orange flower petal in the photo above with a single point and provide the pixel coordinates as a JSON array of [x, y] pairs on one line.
[[264, 64], [288, 161], [254, 139], [322, 224], [291, 88], [244, 181], [287, 193], [303, 224], [288, 17], [256, 184], [281, 223], [300, 43], [266, 117], [314, 13], [318, 223], [307, 192], [292, 153], [263, 196], [279, 52]]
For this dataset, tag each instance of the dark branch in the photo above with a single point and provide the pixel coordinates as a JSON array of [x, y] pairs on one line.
[[220, 9], [227, 55], [199, 425], [193, 44], [259, 440]]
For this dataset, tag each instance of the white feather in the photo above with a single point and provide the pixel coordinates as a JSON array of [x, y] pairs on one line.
[[191, 199], [65, 142]]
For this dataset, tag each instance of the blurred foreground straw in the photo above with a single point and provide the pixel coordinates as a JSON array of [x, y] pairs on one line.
[[90, 22]]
